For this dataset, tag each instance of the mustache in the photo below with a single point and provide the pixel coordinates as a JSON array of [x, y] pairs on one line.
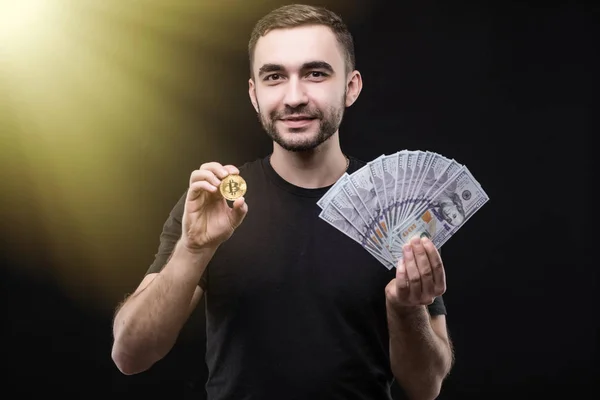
[[289, 111]]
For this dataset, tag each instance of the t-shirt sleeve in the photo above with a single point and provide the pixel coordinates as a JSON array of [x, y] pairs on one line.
[[437, 307], [171, 232]]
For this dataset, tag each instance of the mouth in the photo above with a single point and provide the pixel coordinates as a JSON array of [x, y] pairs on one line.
[[297, 121]]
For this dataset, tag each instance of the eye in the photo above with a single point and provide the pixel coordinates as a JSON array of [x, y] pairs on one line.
[[317, 74], [272, 77]]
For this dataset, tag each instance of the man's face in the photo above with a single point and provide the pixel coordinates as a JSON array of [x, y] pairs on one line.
[[299, 88]]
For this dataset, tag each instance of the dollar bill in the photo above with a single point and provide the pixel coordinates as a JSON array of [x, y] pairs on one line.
[[343, 203], [437, 176], [377, 177], [389, 166], [333, 191], [396, 196], [362, 181], [371, 229], [401, 177], [447, 211]]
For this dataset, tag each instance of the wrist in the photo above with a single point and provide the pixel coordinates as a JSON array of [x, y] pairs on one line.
[[193, 256], [187, 264], [404, 311], [189, 250]]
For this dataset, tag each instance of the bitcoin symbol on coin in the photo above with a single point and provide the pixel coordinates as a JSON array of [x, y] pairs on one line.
[[233, 187]]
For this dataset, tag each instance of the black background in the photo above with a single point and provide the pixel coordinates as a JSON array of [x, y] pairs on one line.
[[504, 88]]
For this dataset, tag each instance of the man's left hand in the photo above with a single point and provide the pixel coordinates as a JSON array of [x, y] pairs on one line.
[[420, 276]]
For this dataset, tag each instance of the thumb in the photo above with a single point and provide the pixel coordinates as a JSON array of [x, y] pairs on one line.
[[239, 211]]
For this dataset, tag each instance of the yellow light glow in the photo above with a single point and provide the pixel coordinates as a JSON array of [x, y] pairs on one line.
[[19, 19], [99, 100]]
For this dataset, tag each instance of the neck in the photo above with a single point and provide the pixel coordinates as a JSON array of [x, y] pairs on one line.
[[312, 169]]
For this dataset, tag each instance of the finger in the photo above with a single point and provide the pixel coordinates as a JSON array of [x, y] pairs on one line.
[[402, 283], [232, 169], [422, 260], [412, 273], [199, 187], [437, 266], [238, 212], [391, 289], [204, 175], [216, 168]]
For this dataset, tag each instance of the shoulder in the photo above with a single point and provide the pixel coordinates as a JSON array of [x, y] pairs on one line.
[[252, 165], [253, 170]]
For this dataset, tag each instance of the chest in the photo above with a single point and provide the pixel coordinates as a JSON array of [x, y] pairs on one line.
[[283, 252]]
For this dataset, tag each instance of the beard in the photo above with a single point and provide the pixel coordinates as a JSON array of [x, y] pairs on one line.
[[328, 124]]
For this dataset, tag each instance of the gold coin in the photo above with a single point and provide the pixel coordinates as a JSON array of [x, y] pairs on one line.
[[233, 187]]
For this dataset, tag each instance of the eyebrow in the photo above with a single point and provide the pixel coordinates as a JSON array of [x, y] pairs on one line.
[[309, 65]]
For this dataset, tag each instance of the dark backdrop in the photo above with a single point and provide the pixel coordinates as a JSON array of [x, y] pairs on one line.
[[503, 88]]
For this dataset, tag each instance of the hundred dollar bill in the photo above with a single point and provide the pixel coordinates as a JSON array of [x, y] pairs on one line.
[[363, 183], [400, 179], [343, 203], [447, 176], [360, 207], [333, 191], [408, 170], [441, 176], [435, 167], [390, 171], [332, 215], [423, 166], [411, 172], [376, 169], [449, 209], [416, 178]]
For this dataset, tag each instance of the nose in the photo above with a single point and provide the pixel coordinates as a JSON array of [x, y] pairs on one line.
[[295, 93]]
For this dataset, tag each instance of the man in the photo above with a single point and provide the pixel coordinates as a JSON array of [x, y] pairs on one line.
[[295, 309]]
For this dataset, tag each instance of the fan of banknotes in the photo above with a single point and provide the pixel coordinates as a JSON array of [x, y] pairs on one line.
[[396, 197]]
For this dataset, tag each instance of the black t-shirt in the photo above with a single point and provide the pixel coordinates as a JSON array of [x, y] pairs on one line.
[[295, 309]]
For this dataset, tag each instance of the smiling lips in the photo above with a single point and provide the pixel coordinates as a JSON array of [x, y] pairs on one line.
[[297, 121]]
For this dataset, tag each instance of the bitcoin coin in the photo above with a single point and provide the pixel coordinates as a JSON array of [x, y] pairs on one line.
[[233, 187]]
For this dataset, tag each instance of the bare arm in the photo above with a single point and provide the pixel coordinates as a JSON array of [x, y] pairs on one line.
[[420, 352], [147, 325]]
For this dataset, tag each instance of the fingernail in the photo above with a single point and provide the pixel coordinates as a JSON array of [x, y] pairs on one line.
[[407, 248]]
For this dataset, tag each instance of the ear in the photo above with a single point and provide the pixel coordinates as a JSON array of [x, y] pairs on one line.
[[252, 93], [353, 87]]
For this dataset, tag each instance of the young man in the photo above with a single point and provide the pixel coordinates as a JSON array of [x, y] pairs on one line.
[[294, 308]]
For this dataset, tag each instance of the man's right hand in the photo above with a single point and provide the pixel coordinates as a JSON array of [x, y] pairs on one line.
[[207, 219]]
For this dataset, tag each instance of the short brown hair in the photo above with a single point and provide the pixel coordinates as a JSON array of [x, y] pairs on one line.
[[295, 15]]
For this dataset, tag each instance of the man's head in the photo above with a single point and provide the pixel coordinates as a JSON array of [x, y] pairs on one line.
[[302, 75]]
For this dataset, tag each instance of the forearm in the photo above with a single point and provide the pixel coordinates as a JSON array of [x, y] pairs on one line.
[[419, 358], [148, 324]]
